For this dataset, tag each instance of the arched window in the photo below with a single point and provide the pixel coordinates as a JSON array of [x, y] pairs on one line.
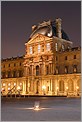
[[61, 85], [57, 70], [3, 75], [20, 73], [66, 69], [14, 74], [75, 68], [37, 70], [70, 85], [9, 74]]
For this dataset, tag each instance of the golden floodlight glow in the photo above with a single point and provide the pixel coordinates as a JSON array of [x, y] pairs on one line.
[[14, 84], [57, 87], [2, 89], [77, 87], [44, 87], [66, 87], [9, 84], [3, 84], [18, 87], [9, 88], [20, 84]]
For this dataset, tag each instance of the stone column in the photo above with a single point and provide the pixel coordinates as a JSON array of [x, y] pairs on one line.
[[49, 69], [53, 87], [44, 68], [24, 86]]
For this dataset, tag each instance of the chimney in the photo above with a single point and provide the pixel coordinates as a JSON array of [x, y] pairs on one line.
[[58, 27]]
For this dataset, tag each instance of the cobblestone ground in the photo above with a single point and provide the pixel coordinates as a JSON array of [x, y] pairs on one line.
[[52, 109]]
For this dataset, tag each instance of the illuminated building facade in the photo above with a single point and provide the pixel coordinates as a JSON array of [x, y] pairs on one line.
[[51, 66]]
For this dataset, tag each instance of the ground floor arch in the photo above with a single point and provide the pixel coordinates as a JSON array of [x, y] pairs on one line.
[[44, 85]]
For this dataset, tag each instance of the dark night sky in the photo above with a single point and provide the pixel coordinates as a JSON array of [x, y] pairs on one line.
[[17, 19]]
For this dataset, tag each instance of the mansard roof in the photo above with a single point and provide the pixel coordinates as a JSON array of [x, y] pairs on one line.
[[48, 29], [12, 58]]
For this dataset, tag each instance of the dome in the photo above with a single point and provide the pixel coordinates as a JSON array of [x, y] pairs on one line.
[[48, 29]]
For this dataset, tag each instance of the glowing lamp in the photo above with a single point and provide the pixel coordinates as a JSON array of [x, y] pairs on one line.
[[3, 84], [44, 87], [77, 87], [8, 89], [2, 89], [20, 84], [9, 84], [57, 88], [36, 106], [14, 84], [18, 87]]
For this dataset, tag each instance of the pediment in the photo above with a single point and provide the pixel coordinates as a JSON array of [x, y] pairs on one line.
[[38, 38]]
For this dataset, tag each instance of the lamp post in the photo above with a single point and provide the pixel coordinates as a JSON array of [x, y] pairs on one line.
[[67, 90], [57, 90], [44, 88], [18, 88], [77, 90]]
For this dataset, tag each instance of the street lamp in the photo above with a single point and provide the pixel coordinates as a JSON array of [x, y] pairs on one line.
[[9, 84], [18, 88], [8, 88], [44, 88], [3, 84], [14, 84], [57, 90], [67, 90], [77, 90], [20, 84], [2, 89]]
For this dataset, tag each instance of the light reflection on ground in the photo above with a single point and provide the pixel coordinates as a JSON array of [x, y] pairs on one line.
[[34, 109], [50, 109]]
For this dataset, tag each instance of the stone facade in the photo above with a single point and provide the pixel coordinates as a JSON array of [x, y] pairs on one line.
[[51, 66]]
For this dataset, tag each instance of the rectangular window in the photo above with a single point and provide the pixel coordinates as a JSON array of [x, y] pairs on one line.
[[47, 70], [65, 57], [66, 69], [56, 46], [75, 68], [30, 50], [39, 47], [74, 56], [48, 46]]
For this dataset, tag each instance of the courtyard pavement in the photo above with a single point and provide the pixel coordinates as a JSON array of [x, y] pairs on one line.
[[52, 109]]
